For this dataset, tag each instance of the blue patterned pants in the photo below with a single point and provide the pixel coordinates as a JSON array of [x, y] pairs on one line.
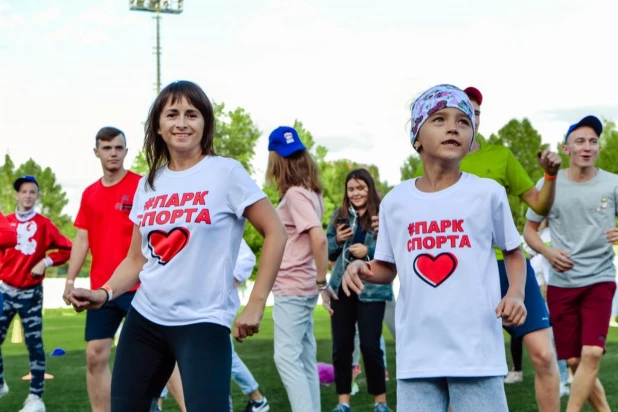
[[28, 303]]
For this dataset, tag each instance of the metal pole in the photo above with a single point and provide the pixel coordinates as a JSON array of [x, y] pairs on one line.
[[158, 51]]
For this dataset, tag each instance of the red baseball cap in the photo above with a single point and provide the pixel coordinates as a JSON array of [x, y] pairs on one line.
[[474, 94]]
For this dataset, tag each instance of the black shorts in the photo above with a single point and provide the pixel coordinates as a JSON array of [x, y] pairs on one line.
[[103, 323]]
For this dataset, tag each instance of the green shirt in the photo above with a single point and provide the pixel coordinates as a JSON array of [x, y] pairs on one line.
[[497, 163]]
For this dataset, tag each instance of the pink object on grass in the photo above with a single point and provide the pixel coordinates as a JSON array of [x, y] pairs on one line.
[[326, 372]]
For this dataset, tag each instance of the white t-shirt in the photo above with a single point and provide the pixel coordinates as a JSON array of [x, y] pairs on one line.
[[244, 262], [191, 226], [538, 261], [442, 244]]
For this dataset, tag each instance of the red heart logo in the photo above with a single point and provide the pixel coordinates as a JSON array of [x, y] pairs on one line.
[[165, 245], [435, 270]]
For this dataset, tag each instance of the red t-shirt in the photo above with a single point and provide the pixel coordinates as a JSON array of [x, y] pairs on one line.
[[104, 213], [35, 237]]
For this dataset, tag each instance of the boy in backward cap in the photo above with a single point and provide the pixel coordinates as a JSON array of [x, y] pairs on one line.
[[582, 280]]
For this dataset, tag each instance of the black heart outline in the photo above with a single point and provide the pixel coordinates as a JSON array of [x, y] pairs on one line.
[[430, 256], [167, 234]]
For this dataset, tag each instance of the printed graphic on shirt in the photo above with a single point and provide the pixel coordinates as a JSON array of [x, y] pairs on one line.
[[165, 245], [125, 205], [176, 208], [26, 243], [603, 204], [436, 269], [442, 237]]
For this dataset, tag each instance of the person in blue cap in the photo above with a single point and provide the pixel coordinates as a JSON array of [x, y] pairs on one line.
[[302, 275], [22, 270], [582, 280]]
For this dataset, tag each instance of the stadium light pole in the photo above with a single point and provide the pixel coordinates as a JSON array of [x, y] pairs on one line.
[[157, 7]]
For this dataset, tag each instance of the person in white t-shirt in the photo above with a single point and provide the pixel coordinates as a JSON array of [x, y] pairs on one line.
[[189, 214], [437, 234]]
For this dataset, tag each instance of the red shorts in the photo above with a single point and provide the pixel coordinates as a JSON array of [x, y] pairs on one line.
[[580, 316]]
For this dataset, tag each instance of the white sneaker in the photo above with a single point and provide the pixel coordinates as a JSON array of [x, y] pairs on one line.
[[354, 388], [570, 376], [514, 377], [33, 403], [564, 389], [4, 390]]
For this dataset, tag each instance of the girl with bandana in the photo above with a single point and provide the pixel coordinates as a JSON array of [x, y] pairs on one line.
[[437, 233]]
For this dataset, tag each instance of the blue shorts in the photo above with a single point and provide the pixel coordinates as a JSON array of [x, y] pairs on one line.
[[103, 323], [538, 316]]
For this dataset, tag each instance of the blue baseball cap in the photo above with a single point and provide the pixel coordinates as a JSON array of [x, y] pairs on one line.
[[590, 121], [24, 179], [284, 140]]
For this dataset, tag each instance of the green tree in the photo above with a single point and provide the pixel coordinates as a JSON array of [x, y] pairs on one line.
[[524, 142], [410, 166], [7, 194], [608, 156], [236, 135], [139, 165]]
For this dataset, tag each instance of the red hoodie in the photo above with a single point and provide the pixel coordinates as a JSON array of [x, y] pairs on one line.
[[8, 237], [35, 237]]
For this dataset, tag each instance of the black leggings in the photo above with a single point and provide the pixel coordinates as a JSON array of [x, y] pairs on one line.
[[517, 352], [146, 356], [347, 311]]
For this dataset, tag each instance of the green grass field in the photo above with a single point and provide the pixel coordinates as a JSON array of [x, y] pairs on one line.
[[67, 391]]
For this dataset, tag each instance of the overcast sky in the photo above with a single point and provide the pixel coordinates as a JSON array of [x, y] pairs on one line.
[[347, 69]]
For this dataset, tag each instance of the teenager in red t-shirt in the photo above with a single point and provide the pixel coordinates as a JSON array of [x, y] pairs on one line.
[[104, 228], [22, 270]]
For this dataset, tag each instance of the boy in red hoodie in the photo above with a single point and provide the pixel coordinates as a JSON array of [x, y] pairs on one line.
[[22, 269]]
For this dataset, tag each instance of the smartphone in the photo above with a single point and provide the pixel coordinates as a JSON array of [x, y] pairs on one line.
[[342, 221]]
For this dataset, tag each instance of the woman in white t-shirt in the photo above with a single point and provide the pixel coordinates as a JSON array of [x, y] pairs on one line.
[[437, 234], [303, 268], [189, 214]]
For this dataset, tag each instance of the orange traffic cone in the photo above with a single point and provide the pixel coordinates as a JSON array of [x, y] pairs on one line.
[[29, 376]]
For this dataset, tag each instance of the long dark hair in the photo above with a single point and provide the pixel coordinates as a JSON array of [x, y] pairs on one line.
[[373, 198], [157, 153]]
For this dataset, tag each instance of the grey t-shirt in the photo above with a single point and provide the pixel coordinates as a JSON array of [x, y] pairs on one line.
[[581, 214]]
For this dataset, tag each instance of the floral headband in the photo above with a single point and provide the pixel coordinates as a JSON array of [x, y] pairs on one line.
[[438, 98]]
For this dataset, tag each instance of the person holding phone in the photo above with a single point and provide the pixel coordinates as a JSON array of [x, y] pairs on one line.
[[352, 236]]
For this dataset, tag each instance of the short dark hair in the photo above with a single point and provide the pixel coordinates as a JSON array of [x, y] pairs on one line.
[[108, 133]]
